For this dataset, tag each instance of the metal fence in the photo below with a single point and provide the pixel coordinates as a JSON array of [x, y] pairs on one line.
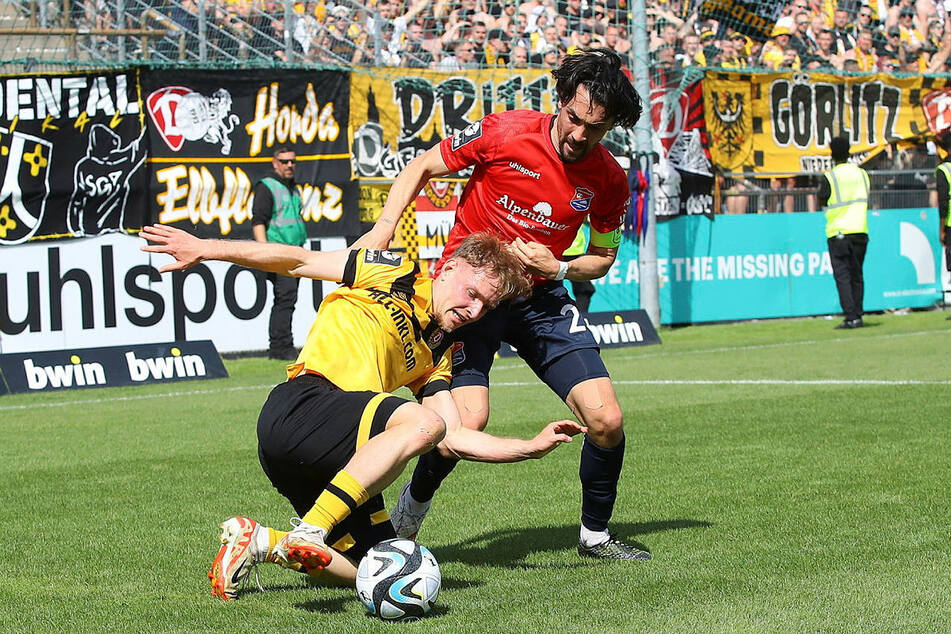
[[890, 189]]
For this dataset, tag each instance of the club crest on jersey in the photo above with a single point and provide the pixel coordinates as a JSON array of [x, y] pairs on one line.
[[435, 339], [470, 133], [581, 201], [458, 353], [375, 256]]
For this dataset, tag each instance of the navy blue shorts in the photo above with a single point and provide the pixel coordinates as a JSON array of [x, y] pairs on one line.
[[548, 332]]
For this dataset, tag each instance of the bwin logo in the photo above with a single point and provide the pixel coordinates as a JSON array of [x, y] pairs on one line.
[[915, 246], [77, 374], [173, 367]]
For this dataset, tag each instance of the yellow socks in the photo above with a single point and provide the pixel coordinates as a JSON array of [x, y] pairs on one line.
[[335, 503]]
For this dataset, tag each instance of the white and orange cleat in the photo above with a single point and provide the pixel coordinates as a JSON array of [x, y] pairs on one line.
[[240, 552], [304, 545]]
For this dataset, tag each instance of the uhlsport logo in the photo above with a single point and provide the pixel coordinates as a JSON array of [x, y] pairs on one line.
[[524, 170], [581, 201]]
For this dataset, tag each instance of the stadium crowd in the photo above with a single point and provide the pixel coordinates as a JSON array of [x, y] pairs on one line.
[[851, 35], [847, 36]]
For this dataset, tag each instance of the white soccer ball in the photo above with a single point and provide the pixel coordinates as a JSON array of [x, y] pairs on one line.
[[398, 580]]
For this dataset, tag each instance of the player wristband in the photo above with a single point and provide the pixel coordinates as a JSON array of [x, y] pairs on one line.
[[562, 271]]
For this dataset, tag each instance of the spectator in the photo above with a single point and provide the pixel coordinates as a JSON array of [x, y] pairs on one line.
[[817, 26], [462, 57], [400, 39], [561, 26], [479, 38], [863, 54], [497, 48], [519, 57], [507, 16], [339, 48], [827, 57], [517, 36], [692, 53], [306, 29], [731, 56], [580, 39], [790, 59], [549, 39], [891, 46], [614, 41], [911, 37], [800, 36], [842, 38], [863, 19], [575, 14], [772, 55], [414, 53], [550, 57]]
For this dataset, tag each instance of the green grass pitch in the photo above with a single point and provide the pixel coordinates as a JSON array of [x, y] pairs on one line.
[[786, 477]]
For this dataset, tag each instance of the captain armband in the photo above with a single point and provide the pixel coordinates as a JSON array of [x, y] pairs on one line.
[[609, 240]]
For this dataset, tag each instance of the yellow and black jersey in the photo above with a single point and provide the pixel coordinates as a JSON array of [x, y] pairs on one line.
[[375, 332]]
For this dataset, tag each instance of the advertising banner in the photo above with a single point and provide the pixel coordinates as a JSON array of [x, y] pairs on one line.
[[755, 18], [775, 265], [683, 171], [73, 153], [110, 366], [612, 329], [213, 135], [782, 122], [395, 117], [105, 291]]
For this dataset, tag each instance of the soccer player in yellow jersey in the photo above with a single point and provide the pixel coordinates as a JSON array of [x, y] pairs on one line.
[[331, 438]]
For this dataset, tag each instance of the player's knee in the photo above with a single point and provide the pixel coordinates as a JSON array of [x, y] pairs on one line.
[[475, 420], [428, 431], [607, 423]]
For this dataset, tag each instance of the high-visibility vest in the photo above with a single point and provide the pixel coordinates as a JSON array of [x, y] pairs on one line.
[[945, 168], [286, 226], [847, 209]]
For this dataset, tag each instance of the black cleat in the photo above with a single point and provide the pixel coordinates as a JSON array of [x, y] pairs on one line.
[[849, 324], [614, 548]]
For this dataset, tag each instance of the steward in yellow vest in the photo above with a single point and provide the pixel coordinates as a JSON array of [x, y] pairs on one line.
[[844, 195], [943, 184]]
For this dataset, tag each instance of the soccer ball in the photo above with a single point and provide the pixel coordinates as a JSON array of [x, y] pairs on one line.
[[398, 580]]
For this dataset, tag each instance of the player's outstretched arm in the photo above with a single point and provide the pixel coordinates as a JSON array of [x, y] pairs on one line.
[[469, 444], [189, 250], [405, 188]]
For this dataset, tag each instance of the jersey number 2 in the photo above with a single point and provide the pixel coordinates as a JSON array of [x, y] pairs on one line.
[[576, 324]]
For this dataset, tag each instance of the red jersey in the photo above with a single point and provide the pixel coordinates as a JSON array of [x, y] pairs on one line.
[[520, 187]]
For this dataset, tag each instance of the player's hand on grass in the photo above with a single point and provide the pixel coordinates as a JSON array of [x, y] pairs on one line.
[[537, 258], [553, 435], [181, 245]]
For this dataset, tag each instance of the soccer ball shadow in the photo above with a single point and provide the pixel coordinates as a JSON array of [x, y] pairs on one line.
[[510, 548]]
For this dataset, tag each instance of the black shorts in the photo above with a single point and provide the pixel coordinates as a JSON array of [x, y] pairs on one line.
[[547, 330], [307, 432]]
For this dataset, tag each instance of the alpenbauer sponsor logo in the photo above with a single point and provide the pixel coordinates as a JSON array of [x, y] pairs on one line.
[[539, 213]]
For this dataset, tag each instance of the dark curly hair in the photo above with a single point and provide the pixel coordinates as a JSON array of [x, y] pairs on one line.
[[599, 71]]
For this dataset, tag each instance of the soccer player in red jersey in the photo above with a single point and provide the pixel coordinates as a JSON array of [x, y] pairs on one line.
[[536, 177]]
